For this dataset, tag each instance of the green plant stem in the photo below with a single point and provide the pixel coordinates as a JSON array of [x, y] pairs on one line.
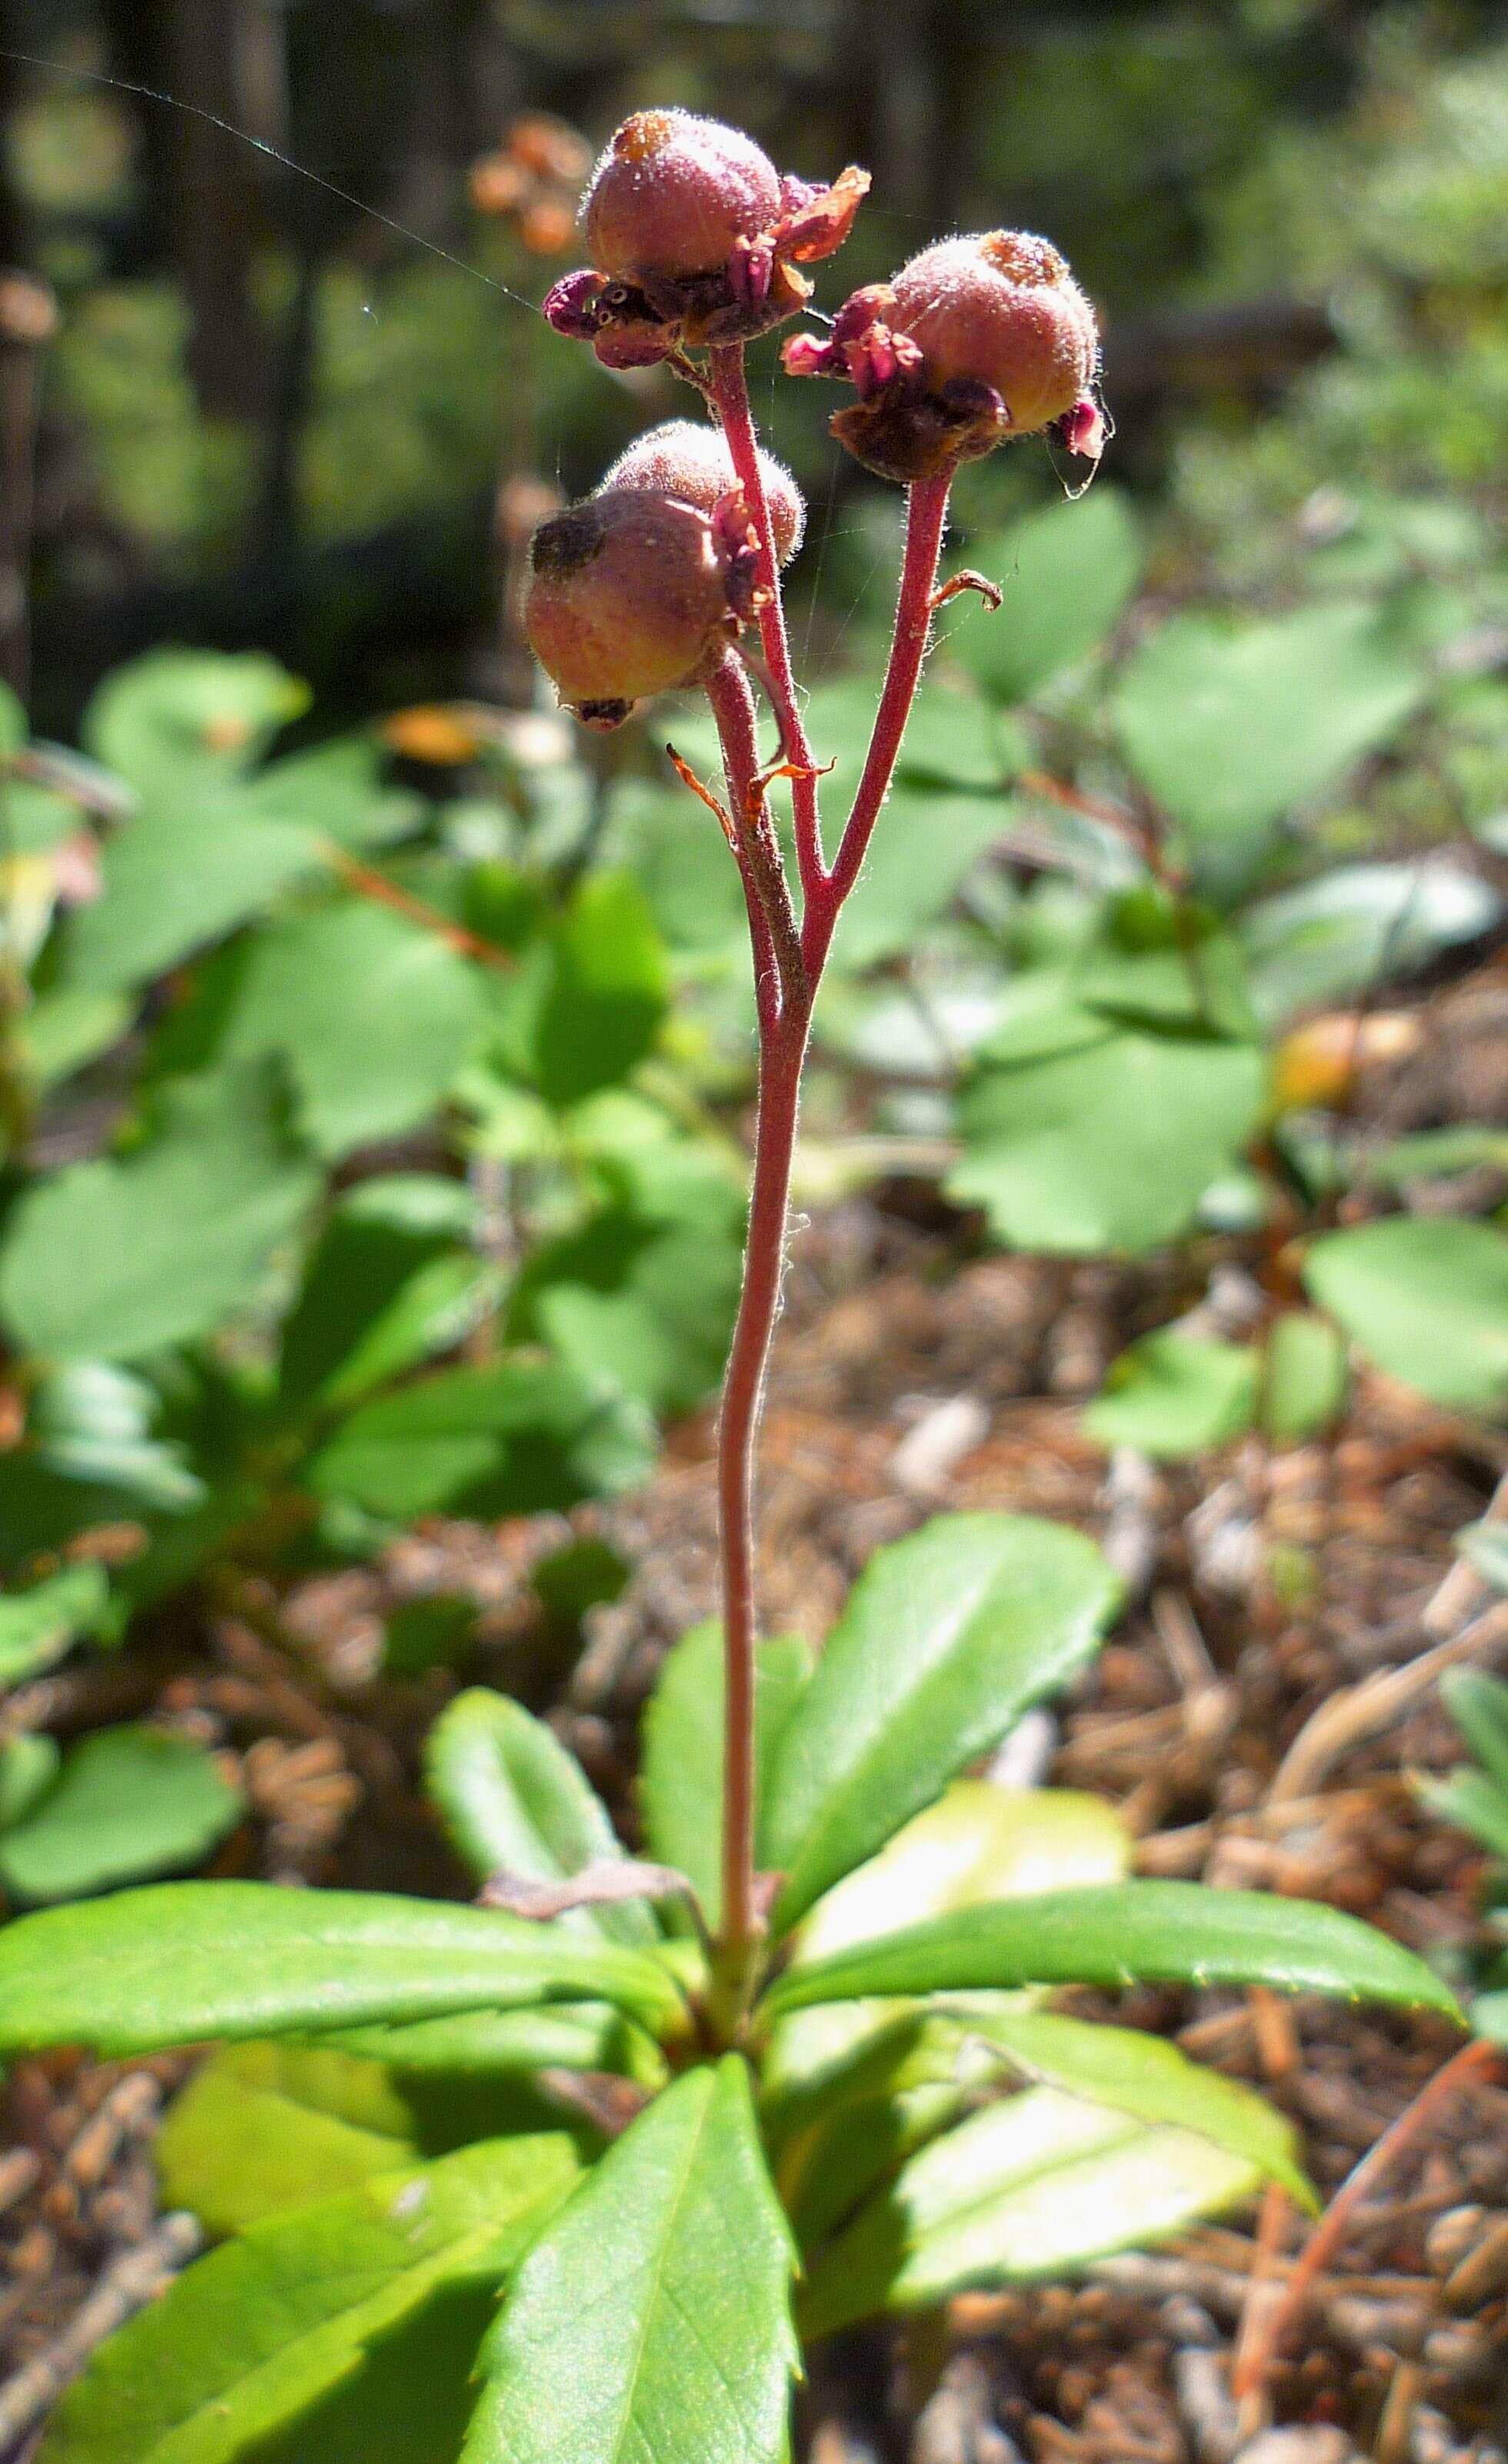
[[788, 969]]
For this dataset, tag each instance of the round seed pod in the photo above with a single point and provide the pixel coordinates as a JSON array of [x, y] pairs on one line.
[[626, 597], [1001, 310], [672, 195], [688, 459]]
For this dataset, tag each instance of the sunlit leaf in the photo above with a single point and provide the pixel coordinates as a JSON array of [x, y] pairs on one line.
[[1427, 1299], [127, 1804]]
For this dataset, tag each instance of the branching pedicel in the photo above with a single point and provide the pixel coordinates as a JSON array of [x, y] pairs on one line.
[[650, 585]]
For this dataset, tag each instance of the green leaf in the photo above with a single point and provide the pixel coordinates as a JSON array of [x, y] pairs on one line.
[[1474, 1803], [515, 1801], [1427, 1299], [518, 1438], [1109, 1146], [503, 2044], [1172, 1394], [113, 1260], [188, 1961], [1171, 1933], [29, 1765], [249, 2338], [1146, 2076], [924, 848], [39, 1626], [1036, 2186], [261, 2129], [644, 1293], [127, 1804], [338, 789], [1356, 926], [1230, 728], [171, 885], [947, 1638], [1479, 1705], [62, 1030], [374, 1016], [1303, 1377], [591, 995], [180, 723], [681, 1776], [393, 1280], [1068, 574], [650, 2318], [410, 2397]]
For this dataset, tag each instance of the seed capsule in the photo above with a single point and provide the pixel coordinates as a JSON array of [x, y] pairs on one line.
[[975, 342], [673, 194], [627, 596], [688, 460]]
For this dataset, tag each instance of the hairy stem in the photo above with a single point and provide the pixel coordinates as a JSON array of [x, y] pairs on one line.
[[731, 397], [788, 967]]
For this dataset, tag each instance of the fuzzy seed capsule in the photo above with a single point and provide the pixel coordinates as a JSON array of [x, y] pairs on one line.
[[975, 342], [672, 195], [626, 597], [688, 460]]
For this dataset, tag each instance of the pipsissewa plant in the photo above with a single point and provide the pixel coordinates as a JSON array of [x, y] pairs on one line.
[[639, 2098]]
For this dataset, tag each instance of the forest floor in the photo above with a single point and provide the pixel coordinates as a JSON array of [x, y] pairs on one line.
[[1249, 1719]]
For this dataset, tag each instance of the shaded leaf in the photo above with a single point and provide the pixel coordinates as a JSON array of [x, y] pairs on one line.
[[112, 1260], [170, 887], [681, 1773], [1172, 1393], [514, 1438], [1231, 727], [1427, 1299], [393, 1280], [1108, 1146], [650, 2317], [1358, 926], [39, 1626], [591, 994], [947, 1638], [1068, 575], [1303, 1377], [261, 2129]]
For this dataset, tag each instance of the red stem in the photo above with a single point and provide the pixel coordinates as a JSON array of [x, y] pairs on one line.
[[925, 519], [788, 969], [730, 396]]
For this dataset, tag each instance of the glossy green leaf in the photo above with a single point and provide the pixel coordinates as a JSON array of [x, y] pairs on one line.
[[186, 1961], [650, 2318], [113, 1260], [1109, 1145], [40, 1625], [947, 1638], [1426, 1297], [180, 723], [1304, 1378], [261, 2129], [1174, 1933], [681, 1774], [249, 2338], [408, 2399], [127, 1804], [516, 1802], [170, 887], [374, 1016], [1068, 575], [1036, 2186], [518, 1438], [1172, 1394], [1231, 727]]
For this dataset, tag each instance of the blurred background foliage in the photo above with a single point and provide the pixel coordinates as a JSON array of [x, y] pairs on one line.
[[271, 419]]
